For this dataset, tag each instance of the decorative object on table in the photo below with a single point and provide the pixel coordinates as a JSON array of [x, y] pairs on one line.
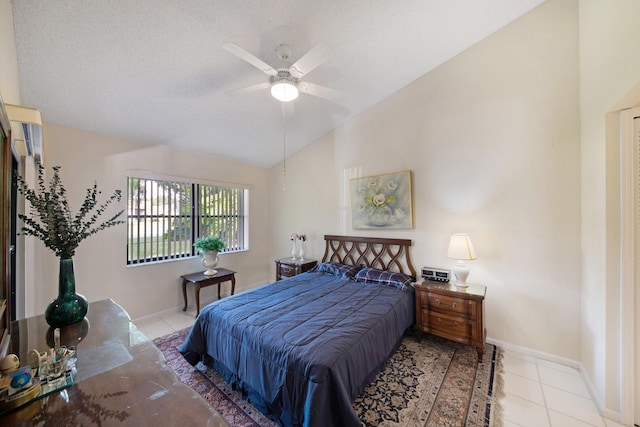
[[52, 222], [70, 335], [461, 249], [53, 372], [11, 398], [55, 365], [436, 274], [21, 377], [10, 363], [35, 358], [70, 307], [209, 247], [302, 238], [382, 201], [293, 237], [46, 372]]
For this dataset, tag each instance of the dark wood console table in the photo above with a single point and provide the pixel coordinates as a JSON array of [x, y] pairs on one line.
[[122, 378], [200, 280]]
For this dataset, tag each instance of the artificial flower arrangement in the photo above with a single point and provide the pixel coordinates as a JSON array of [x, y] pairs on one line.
[[296, 236], [51, 220]]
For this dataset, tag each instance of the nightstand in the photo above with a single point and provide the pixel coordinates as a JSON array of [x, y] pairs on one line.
[[287, 267], [453, 313]]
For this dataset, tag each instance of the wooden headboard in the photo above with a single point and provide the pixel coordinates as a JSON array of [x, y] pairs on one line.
[[382, 253]]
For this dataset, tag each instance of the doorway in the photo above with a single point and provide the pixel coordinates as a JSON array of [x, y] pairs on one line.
[[629, 157], [13, 237], [636, 334]]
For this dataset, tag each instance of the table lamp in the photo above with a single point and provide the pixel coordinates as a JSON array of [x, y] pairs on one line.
[[461, 249]]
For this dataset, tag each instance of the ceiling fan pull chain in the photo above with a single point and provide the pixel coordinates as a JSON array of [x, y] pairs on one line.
[[284, 151]]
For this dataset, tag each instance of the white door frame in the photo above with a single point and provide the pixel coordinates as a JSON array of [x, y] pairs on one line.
[[629, 266]]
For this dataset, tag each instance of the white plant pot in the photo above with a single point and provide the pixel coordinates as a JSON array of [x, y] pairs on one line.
[[209, 261]]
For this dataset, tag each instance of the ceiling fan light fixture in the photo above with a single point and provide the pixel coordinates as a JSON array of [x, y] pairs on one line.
[[284, 91]]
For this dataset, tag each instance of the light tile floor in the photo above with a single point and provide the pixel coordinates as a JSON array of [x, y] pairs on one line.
[[167, 323], [538, 393]]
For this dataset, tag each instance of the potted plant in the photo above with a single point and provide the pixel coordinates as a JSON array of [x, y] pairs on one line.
[[50, 220], [209, 247]]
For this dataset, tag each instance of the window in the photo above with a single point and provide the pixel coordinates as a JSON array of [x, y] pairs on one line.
[[165, 217]]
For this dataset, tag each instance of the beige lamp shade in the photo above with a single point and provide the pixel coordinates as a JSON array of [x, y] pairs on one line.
[[460, 247]]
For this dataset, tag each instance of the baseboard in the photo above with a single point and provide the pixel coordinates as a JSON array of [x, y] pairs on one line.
[[536, 353], [156, 316], [203, 302], [611, 414]]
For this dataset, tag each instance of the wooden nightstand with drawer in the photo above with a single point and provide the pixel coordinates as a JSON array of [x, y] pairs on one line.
[[453, 313], [287, 267]]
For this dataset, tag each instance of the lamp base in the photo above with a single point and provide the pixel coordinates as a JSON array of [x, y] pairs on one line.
[[461, 271]]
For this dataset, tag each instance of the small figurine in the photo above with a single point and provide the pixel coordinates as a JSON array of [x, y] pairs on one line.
[[9, 364], [36, 359], [21, 378]]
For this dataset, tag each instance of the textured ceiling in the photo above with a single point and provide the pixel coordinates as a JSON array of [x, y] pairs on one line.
[[155, 70]]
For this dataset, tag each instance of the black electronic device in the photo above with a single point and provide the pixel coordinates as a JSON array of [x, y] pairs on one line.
[[436, 274]]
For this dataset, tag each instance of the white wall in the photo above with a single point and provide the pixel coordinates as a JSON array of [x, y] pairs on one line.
[[492, 138], [609, 76], [9, 80], [100, 260]]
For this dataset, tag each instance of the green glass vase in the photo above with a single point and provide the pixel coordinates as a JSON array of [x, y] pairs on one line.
[[69, 307]]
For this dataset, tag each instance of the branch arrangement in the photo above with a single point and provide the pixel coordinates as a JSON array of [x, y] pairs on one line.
[[51, 218]]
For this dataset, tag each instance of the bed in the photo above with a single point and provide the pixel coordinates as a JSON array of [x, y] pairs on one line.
[[302, 349]]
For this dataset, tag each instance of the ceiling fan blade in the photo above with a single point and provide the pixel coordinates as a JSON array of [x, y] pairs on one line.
[[321, 91], [248, 89], [251, 59], [310, 60]]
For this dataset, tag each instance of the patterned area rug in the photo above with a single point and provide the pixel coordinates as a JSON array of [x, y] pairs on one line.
[[427, 382]]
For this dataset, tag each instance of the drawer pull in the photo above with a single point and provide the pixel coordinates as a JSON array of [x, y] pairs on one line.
[[454, 305], [452, 324]]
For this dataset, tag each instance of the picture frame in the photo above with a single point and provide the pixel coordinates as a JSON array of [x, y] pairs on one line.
[[382, 201]]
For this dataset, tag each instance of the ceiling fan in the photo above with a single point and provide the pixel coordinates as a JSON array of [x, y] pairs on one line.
[[286, 81]]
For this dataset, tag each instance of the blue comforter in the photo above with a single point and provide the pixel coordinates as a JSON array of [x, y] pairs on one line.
[[302, 349]]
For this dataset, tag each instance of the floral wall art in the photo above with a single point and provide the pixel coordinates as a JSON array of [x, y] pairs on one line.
[[382, 201]]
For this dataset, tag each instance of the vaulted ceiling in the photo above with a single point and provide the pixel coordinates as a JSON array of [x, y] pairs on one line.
[[156, 70]]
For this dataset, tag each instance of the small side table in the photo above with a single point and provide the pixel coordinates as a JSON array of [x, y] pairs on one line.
[[454, 313], [200, 280], [287, 267]]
